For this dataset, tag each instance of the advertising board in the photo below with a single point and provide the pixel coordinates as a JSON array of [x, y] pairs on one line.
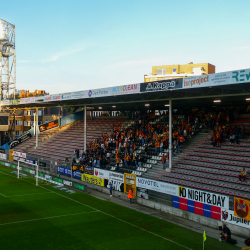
[[67, 171], [117, 179], [224, 78], [93, 179], [209, 198], [19, 140], [49, 125], [3, 156], [229, 217], [161, 85], [27, 100], [159, 186], [19, 154], [126, 89], [242, 208], [99, 92]]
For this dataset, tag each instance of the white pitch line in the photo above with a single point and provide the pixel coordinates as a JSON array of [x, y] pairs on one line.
[[2, 195], [27, 194], [45, 218], [109, 215]]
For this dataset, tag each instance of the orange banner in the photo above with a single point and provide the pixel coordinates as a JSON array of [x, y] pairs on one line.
[[242, 208]]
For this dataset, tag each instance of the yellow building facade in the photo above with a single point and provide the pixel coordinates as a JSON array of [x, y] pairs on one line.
[[179, 71]]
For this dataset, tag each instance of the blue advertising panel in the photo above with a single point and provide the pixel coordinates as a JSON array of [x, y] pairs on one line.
[[67, 171]]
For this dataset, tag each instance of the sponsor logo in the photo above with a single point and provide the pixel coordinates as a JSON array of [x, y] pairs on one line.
[[147, 182], [201, 196], [131, 88], [241, 75], [241, 208], [224, 215], [155, 86], [90, 93], [198, 81], [68, 183]]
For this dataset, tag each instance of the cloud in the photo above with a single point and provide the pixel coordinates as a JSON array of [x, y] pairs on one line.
[[62, 53]]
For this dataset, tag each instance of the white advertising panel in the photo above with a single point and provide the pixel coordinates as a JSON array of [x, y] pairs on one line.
[[28, 100], [108, 175], [100, 92], [224, 78], [117, 179], [3, 156], [204, 197], [158, 186], [126, 89], [19, 154], [227, 216]]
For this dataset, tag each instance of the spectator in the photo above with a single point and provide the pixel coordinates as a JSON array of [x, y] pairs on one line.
[[164, 161], [110, 189], [130, 195], [243, 175], [225, 233], [232, 138], [236, 134]]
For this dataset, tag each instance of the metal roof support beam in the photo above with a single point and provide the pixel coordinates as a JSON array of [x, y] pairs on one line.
[[170, 135], [85, 128]]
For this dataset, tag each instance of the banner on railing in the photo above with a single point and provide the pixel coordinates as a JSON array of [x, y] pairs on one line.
[[48, 126], [67, 171], [93, 179]]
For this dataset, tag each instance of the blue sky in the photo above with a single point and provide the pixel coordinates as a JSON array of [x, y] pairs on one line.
[[64, 46]]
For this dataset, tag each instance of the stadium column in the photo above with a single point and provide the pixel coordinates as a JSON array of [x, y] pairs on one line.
[[36, 127], [85, 127], [170, 135]]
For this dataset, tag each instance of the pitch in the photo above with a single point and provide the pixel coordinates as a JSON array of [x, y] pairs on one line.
[[44, 217]]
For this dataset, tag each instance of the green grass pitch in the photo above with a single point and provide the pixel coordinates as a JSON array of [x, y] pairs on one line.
[[43, 217]]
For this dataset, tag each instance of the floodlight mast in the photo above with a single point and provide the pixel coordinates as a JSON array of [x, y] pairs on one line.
[[7, 60]]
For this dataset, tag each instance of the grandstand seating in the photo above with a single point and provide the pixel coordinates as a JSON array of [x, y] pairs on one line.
[[214, 169], [63, 144]]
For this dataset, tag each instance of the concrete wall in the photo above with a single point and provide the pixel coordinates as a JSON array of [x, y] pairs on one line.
[[237, 230]]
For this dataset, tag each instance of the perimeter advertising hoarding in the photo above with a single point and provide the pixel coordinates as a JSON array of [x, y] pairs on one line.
[[217, 200], [48, 126], [162, 187], [93, 179], [99, 92], [27, 100], [19, 154], [224, 78], [126, 89], [161, 85], [19, 140], [228, 216], [67, 171], [242, 208], [117, 179], [200, 202]]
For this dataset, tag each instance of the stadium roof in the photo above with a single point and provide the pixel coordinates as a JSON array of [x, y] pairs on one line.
[[232, 88]]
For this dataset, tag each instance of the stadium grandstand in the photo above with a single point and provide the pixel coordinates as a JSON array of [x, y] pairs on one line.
[[182, 145]]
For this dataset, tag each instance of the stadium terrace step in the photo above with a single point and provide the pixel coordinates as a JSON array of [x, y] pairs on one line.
[[214, 162], [221, 148], [219, 152], [217, 157]]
